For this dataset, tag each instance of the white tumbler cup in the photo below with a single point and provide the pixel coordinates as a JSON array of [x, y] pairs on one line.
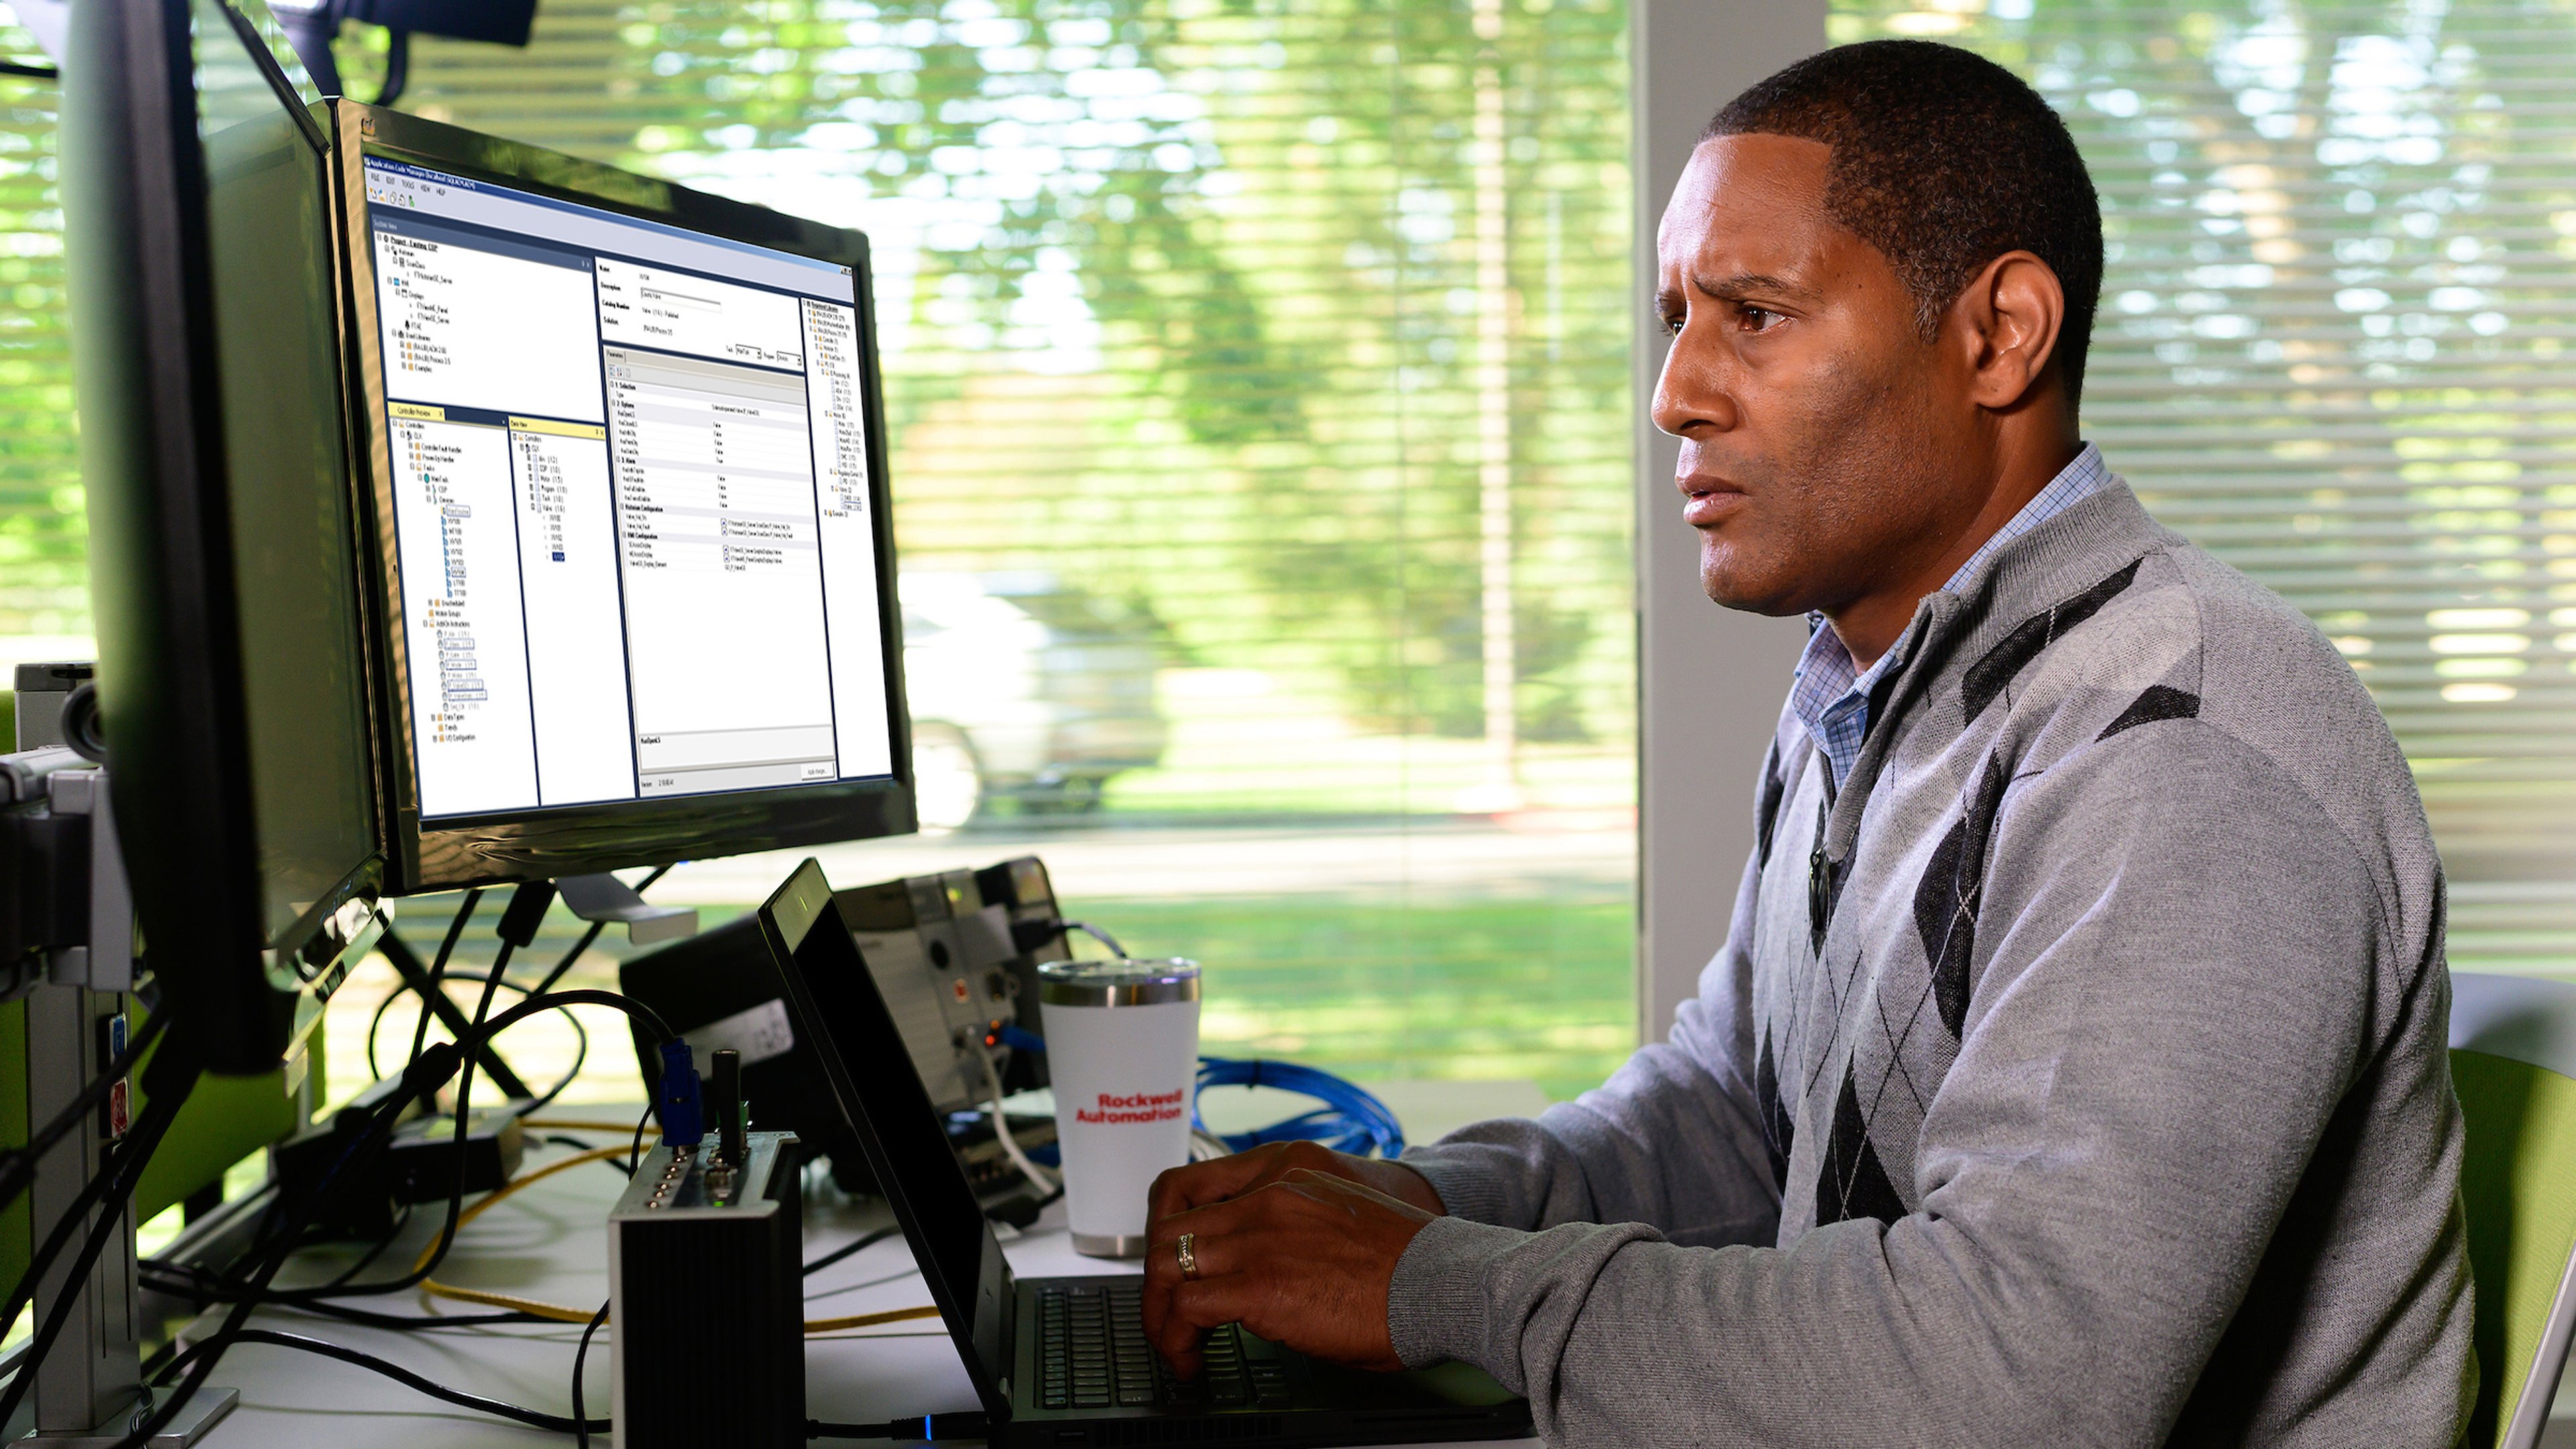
[[1123, 1053]]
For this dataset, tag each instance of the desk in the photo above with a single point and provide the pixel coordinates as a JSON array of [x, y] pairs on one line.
[[549, 1242]]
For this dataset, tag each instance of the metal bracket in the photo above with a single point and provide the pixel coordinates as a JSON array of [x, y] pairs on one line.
[[605, 898], [103, 958], [66, 915]]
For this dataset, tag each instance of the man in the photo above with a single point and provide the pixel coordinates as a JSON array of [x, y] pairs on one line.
[[2074, 1069]]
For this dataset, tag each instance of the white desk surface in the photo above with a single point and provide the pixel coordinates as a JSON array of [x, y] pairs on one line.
[[549, 1242]]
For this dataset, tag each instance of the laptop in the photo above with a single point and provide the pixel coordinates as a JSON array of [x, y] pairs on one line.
[[1064, 1361]]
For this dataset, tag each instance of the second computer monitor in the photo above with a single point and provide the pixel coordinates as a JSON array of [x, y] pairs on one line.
[[630, 507]]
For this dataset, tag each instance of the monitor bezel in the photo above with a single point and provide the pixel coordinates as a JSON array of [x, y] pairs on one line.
[[449, 852], [164, 567]]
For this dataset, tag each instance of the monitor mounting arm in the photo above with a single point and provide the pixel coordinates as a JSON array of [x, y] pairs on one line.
[[67, 951]]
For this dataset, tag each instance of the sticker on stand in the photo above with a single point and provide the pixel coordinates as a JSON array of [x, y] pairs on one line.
[[119, 1103], [759, 1034]]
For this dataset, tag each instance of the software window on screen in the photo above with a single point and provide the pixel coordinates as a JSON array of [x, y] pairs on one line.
[[630, 503]]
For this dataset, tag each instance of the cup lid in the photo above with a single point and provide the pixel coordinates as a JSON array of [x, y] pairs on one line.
[[1120, 982]]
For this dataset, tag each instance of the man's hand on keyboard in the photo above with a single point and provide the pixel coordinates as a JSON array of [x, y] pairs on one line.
[[1298, 1256], [1202, 1183]]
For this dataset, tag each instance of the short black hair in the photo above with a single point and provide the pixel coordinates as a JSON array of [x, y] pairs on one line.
[[1944, 161]]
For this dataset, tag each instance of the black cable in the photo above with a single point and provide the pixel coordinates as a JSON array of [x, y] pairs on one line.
[[635, 1154], [492, 981], [397, 66], [519, 922], [42, 1261], [212, 1348], [575, 1143], [581, 1426], [314, 1237], [125, 1169], [1095, 933], [18, 1167], [848, 1249], [374, 1251], [534, 1105], [376, 1021], [124, 1173], [438, 971], [184, 1282], [454, 1055], [591, 935], [645, 1016], [415, 974], [581, 1048], [421, 1078]]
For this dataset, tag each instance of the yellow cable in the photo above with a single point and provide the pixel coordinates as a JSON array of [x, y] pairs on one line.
[[865, 1320], [538, 1308]]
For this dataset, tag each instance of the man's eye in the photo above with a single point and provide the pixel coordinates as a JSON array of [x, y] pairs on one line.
[[1757, 319], [1672, 322]]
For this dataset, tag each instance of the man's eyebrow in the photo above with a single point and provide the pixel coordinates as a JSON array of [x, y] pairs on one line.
[[1744, 284]]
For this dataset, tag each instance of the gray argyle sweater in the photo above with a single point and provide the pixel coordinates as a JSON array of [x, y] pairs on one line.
[[2076, 1075]]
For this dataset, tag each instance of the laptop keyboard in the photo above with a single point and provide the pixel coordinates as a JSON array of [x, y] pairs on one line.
[[1092, 1354]]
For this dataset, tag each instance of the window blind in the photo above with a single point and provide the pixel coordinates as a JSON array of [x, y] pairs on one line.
[[1283, 346], [2333, 349], [44, 598]]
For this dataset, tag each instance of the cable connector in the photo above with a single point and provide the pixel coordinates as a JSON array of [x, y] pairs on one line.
[[923, 1429], [680, 1105], [434, 1068], [1028, 936], [525, 912]]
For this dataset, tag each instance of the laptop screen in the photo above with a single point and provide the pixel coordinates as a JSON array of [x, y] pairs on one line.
[[844, 1020]]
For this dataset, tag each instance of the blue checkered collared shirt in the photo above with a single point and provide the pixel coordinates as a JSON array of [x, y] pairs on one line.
[[1831, 697]]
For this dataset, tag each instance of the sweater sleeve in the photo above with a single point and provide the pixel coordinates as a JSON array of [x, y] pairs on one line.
[[1673, 1139], [2177, 952]]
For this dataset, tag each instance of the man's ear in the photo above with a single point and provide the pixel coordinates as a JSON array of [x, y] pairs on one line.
[[2011, 313]]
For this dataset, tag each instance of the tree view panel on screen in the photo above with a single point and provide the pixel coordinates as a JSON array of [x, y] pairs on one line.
[[630, 503]]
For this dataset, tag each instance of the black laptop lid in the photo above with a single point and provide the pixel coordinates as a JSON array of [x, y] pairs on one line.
[[842, 1019]]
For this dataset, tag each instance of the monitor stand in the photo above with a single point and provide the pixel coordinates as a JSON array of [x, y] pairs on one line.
[[609, 901], [90, 1387], [89, 1390], [185, 1428]]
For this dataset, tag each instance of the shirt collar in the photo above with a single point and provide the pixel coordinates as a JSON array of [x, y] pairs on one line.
[[2073, 484], [1830, 694]]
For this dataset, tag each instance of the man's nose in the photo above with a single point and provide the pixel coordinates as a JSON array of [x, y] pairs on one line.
[[1691, 393]]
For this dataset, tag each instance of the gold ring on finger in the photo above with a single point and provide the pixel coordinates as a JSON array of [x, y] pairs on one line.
[[1186, 1250]]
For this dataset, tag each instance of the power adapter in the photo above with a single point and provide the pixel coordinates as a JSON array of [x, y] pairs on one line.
[[417, 1164], [420, 1162]]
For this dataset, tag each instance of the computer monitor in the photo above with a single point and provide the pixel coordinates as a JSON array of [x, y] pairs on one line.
[[223, 535], [626, 462]]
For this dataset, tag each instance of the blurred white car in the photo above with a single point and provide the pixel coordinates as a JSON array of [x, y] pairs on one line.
[[1023, 687]]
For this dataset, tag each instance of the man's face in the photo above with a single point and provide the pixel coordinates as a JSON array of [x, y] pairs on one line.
[[1827, 449]]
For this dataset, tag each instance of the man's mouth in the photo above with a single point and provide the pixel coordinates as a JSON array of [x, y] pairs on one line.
[[1708, 501]]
